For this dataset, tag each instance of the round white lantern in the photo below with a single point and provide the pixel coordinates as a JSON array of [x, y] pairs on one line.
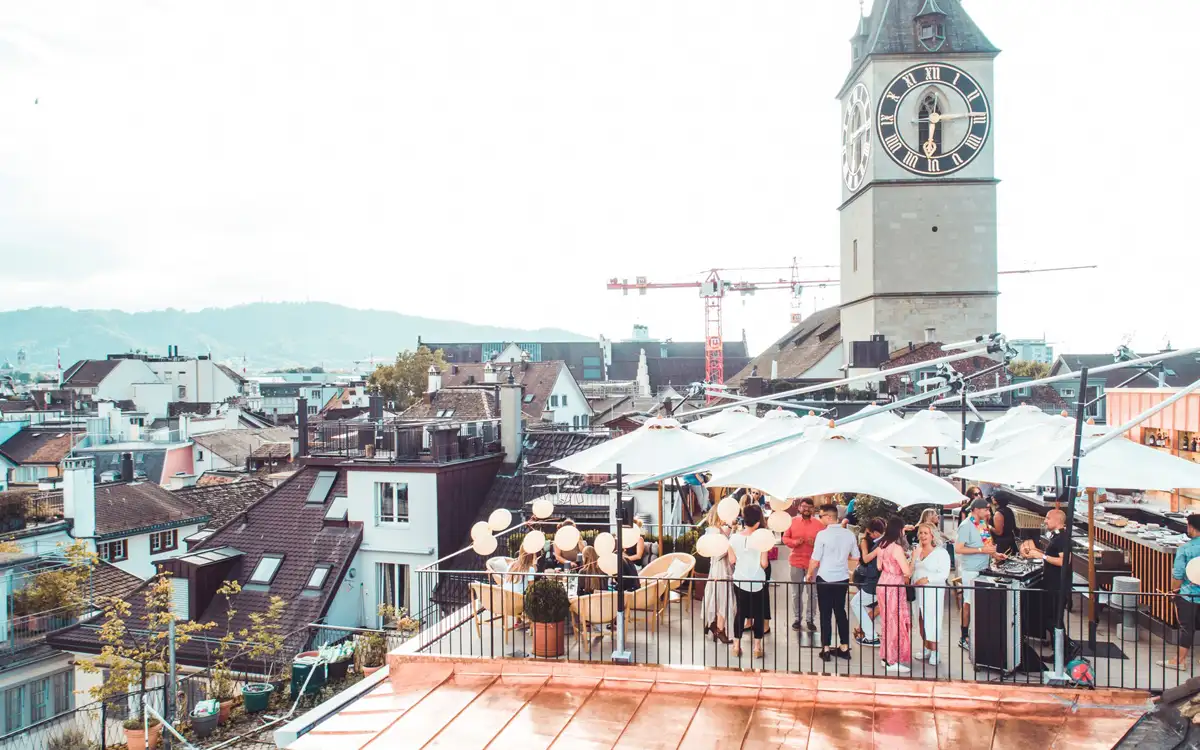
[[762, 540], [779, 522], [629, 536], [780, 504], [712, 544], [534, 542], [728, 509], [542, 507], [484, 545], [480, 530], [566, 538], [499, 520], [608, 563], [605, 543]]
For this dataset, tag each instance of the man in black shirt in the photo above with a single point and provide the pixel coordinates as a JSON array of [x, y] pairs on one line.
[[1004, 527], [1054, 557]]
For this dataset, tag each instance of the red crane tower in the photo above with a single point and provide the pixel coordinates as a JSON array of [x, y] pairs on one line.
[[713, 290]]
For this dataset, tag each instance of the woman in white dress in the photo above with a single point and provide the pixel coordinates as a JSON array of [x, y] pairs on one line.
[[718, 596], [931, 568]]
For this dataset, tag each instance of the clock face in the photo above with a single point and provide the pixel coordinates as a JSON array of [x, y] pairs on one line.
[[856, 137], [933, 119]]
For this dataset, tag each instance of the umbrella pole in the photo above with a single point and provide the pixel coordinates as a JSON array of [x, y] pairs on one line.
[[661, 519], [619, 654], [1091, 496], [1059, 676], [929, 457]]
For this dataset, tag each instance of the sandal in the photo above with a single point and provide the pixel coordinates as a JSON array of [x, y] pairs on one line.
[[737, 649], [760, 652]]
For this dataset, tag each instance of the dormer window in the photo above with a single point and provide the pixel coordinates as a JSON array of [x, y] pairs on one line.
[[931, 26]]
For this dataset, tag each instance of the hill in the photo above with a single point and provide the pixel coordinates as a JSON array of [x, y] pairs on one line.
[[272, 334]]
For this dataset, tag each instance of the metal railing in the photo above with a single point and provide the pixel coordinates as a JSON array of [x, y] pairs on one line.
[[19, 510], [94, 726], [670, 622]]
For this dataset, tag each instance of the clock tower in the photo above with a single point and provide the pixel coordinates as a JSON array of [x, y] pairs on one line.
[[918, 211]]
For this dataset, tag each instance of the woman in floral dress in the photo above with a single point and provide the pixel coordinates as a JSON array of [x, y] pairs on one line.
[[895, 614]]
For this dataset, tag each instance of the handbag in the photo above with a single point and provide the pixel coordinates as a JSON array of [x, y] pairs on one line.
[[910, 592]]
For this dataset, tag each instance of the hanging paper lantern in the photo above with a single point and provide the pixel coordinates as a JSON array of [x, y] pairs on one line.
[[605, 543], [484, 545], [779, 522], [780, 504], [534, 542], [608, 563], [714, 544], [480, 530], [762, 540], [499, 520], [728, 510], [566, 538], [542, 508], [629, 536]]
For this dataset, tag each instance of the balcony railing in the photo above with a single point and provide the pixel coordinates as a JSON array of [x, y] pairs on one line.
[[391, 442], [473, 611], [20, 510]]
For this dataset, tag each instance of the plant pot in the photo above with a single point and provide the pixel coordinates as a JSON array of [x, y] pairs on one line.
[[337, 670], [226, 709], [138, 739], [368, 671], [204, 725], [257, 696], [548, 639]]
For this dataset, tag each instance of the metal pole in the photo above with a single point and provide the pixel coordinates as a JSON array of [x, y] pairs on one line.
[[1071, 376], [873, 375], [661, 520], [962, 448], [1092, 619], [1072, 489], [620, 655], [169, 697]]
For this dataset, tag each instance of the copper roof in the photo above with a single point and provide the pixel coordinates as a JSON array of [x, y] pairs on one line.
[[529, 704]]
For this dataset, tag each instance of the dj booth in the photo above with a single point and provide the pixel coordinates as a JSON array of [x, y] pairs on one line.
[[1010, 606]]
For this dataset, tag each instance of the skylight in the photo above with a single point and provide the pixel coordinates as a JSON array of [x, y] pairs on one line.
[[266, 569], [317, 579], [337, 509], [320, 488], [529, 398]]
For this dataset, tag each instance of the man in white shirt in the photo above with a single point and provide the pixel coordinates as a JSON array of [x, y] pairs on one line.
[[833, 549]]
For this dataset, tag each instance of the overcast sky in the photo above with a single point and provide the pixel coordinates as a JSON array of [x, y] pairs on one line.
[[497, 162]]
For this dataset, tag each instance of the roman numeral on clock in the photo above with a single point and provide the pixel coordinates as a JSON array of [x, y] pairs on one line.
[[973, 95], [910, 160], [933, 74], [893, 143], [958, 162], [934, 165], [973, 141], [910, 79], [887, 120]]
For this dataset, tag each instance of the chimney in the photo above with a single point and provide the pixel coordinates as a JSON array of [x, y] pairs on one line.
[[435, 380], [774, 369], [185, 426], [930, 334], [79, 495], [302, 424], [489, 373], [375, 408], [182, 479], [126, 467], [512, 432]]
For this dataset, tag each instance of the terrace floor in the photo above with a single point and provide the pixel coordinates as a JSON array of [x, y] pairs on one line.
[[431, 702]]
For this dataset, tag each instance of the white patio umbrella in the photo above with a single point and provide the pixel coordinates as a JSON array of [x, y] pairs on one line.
[[1055, 428], [1016, 419], [732, 420], [775, 424], [879, 421], [831, 461], [928, 429], [657, 446]]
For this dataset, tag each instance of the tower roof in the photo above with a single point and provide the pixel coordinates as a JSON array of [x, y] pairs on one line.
[[891, 30]]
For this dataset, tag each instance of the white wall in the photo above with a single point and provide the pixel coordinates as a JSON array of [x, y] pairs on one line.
[[413, 544], [210, 461], [351, 607], [118, 384], [577, 404], [152, 398], [201, 379], [141, 563]]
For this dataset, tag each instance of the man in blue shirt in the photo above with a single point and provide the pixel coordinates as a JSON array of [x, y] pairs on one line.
[[1187, 601], [973, 549]]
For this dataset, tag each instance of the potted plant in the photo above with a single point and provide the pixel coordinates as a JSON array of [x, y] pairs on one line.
[[372, 652], [256, 696], [136, 736], [205, 717], [221, 688], [71, 739], [547, 607]]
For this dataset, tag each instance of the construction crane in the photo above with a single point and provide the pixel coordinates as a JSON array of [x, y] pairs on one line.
[[714, 288]]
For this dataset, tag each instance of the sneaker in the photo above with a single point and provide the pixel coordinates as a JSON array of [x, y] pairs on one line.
[[897, 668], [921, 656], [1168, 663], [870, 642], [964, 644], [812, 626], [933, 659], [796, 625]]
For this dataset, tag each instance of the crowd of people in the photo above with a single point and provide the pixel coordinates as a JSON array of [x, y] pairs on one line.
[[899, 573]]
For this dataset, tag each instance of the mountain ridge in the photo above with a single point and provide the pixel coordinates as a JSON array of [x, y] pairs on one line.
[[267, 334]]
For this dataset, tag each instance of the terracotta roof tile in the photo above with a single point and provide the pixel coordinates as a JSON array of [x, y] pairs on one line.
[[537, 377], [225, 500], [125, 507], [88, 373], [461, 404], [798, 351], [110, 581], [40, 446]]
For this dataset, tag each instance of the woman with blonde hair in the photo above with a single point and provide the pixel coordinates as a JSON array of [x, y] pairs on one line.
[[717, 593], [930, 569], [519, 573], [591, 578], [636, 552]]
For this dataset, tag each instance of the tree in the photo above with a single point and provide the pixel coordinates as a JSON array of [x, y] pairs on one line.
[[1023, 368], [405, 380], [131, 654]]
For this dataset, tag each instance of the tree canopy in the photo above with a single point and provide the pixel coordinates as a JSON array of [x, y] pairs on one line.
[[1023, 368], [405, 380]]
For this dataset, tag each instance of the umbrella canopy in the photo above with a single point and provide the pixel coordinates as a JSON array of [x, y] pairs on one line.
[[735, 419], [1119, 463], [879, 421], [776, 423], [1016, 419], [657, 446], [925, 429], [831, 461], [1056, 428]]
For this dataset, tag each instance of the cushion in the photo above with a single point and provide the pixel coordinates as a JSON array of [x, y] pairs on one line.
[[677, 569]]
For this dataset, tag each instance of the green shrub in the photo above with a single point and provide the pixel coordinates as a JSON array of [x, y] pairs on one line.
[[867, 507], [546, 601]]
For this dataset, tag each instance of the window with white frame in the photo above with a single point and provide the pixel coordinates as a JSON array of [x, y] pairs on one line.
[[317, 578], [563, 399], [266, 569], [391, 585], [182, 392], [38, 700], [391, 502], [164, 541], [553, 400], [30, 473], [114, 551]]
